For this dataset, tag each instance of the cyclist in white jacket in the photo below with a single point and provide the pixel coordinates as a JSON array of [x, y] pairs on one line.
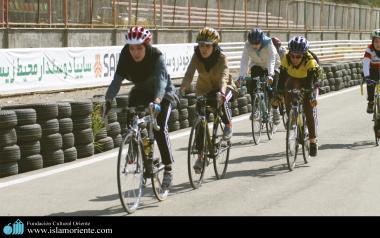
[[261, 57]]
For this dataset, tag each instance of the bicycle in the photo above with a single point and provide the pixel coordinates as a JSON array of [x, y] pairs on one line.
[[297, 132], [376, 107], [261, 109], [135, 153], [214, 148]]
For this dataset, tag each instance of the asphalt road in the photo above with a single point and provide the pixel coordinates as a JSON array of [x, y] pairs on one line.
[[343, 179]]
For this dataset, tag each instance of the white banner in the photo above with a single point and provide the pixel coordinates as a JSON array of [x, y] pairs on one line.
[[31, 70]]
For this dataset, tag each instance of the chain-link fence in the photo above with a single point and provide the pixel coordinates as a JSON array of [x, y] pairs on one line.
[[221, 14]]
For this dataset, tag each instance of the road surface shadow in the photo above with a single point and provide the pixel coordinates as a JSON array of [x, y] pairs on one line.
[[263, 172], [358, 145], [265, 157], [106, 212]]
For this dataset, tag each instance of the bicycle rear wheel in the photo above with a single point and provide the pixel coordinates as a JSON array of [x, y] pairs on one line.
[[221, 152], [376, 119], [291, 140], [283, 114], [194, 153], [157, 178], [130, 173], [305, 140], [270, 126], [256, 122]]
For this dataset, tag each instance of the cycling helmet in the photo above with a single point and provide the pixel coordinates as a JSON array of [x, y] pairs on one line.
[[376, 33], [208, 35], [137, 35], [276, 42], [298, 44], [256, 35]]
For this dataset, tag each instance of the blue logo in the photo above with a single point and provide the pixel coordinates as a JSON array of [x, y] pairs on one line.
[[16, 229]]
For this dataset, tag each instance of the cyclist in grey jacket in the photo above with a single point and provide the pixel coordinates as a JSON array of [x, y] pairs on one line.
[[144, 66], [261, 57]]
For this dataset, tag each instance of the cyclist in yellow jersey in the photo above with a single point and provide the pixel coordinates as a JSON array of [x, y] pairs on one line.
[[300, 70]]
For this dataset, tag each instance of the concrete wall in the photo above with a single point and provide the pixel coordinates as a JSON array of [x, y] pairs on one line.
[[39, 38]]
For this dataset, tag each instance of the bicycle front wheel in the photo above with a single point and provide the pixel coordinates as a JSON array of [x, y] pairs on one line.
[[305, 140], [291, 140], [195, 152], [271, 128], [130, 173], [222, 151], [256, 121], [157, 178], [376, 119]]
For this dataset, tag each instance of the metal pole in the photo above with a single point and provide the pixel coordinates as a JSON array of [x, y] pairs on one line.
[[65, 12], [245, 14], [266, 13], [218, 3], [114, 13], [175, 4], [91, 12], [161, 13], [304, 15], [258, 12], [130, 13], [206, 12], [189, 12]]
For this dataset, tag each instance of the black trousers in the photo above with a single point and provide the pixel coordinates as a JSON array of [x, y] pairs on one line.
[[136, 98], [226, 113]]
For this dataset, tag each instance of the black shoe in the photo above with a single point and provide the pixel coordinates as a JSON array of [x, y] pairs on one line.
[[313, 149], [370, 107]]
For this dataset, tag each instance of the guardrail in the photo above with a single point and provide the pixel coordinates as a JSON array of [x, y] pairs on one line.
[[327, 51]]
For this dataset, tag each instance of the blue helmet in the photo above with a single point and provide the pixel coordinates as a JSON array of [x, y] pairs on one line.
[[256, 35], [298, 44]]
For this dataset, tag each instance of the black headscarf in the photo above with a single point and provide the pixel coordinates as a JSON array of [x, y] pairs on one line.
[[373, 48], [140, 71], [210, 61]]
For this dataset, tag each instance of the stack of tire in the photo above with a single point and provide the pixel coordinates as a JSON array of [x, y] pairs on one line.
[[356, 73], [183, 113], [324, 85], [249, 103], [173, 123], [122, 114], [28, 139], [191, 108], [114, 127], [66, 131], [9, 151], [83, 136], [242, 101]]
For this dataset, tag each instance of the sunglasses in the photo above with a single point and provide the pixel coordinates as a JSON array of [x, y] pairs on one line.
[[295, 56]]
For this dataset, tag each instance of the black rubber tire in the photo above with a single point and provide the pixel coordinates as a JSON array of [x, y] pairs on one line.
[[70, 154], [174, 116], [122, 117], [101, 134], [8, 119], [51, 142], [81, 108], [81, 123], [117, 140], [243, 110], [83, 137], [30, 163], [49, 127], [29, 149], [28, 133], [235, 112], [68, 141], [26, 116], [53, 158], [8, 137], [242, 101], [112, 117], [9, 154], [113, 129], [103, 145], [64, 110], [174, 126], [45, 111], [8, 169], [184, 103], [65, 125], [85, 150], [183, 114], [184, 124]]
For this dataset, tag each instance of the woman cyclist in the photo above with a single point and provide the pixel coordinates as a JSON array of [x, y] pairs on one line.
[[144, 66], [299, 70], [212, 66], [262, 58], [371, 71]]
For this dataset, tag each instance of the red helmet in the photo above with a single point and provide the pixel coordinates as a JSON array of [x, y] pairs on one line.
[[137, 35], [276, 42]]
